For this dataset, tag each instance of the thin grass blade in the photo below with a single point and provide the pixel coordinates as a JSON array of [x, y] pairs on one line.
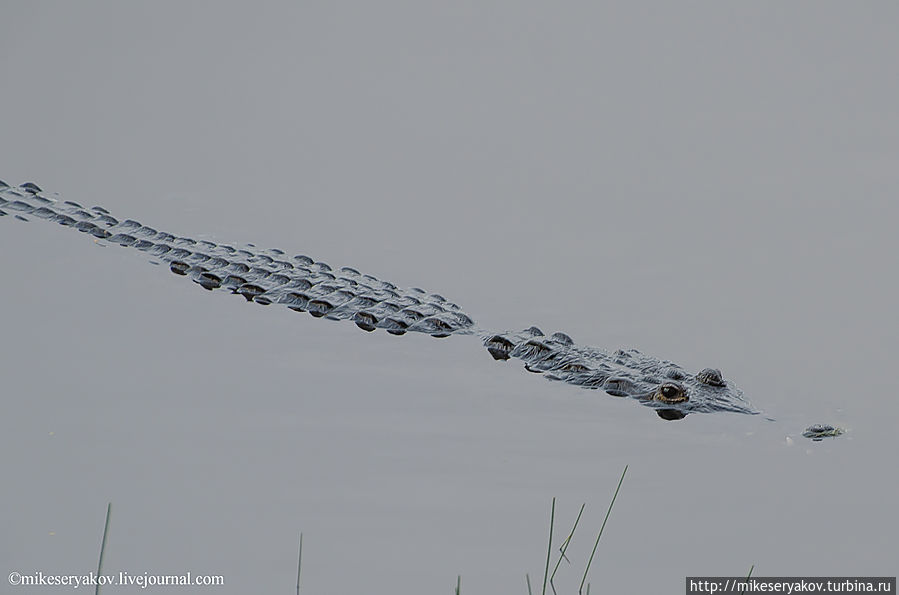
[[103, 548], [596, 545]]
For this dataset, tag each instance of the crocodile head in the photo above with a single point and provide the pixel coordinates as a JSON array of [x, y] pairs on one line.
[[669, 389]]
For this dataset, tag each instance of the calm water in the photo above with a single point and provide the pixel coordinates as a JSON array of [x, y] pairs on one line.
[[716, 186]]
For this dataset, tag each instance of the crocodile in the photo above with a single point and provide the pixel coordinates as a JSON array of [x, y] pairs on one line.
[[301, 284]]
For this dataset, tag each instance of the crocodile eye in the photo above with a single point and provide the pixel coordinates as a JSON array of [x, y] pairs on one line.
[[671, 392], [711, 376]]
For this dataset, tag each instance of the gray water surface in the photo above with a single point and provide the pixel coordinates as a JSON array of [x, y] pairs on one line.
[[711, 184]]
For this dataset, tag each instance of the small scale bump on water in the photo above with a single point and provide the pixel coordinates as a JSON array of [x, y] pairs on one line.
[[250, 291], [122, 239], [413, 315], [165, 237], [196, 270], [72, 203], [350, 270], [147, 232], [30, 187], [324, 287], [20, 218], [233, 282], [65, 220], [85, 226], [391, 307], [3, 184], [178, 267], [100, 233], [217, 262], [182, 241], [142, 245], [301, 284], [108, 220], [436, 327], [295, 301], [463, 319], [21, 206], [366, 321], [179, 253], [159, 249], [258, 272], [44, 213], [303, 259], [365, 301], [499, 347], [81, 214], [129, 224], [319, 307], [394, 326], [2, 213], [100, 210]]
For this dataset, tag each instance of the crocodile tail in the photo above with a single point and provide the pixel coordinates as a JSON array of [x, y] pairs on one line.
[[262, 276]]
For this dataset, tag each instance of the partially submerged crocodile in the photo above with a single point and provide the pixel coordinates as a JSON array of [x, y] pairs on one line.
[[270, 276]]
